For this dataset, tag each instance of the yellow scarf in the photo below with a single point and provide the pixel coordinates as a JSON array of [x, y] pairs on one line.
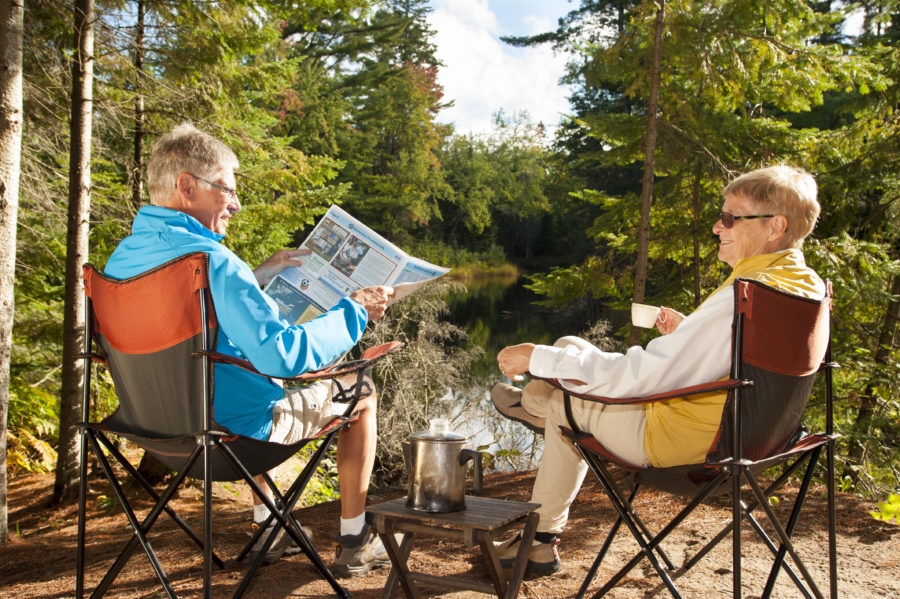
[[785, 270]]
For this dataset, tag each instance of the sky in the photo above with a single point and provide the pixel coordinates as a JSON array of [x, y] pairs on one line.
[[482, 74]]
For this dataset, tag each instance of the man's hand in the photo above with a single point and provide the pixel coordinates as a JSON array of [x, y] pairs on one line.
[[280, 260], [514, 360], [373, 299], [668, 320]]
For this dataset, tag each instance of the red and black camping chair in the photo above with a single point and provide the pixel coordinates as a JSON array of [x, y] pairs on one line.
[[156, 333], [779, 344]]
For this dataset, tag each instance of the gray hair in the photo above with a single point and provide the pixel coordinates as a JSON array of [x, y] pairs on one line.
[[184, 149], [785, 190]]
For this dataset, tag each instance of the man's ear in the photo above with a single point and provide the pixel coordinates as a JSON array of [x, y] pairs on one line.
[[184, 193], [777, 227], [186, 185]]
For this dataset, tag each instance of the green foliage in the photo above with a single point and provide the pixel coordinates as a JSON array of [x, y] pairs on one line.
[[500, 188], [324, 484], [888, 510], [32, 425], [441, 253]]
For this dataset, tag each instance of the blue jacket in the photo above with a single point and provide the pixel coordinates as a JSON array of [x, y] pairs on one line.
[[250, 325]]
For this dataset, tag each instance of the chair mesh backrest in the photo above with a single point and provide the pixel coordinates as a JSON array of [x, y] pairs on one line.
[[149, 327], [784, 341]]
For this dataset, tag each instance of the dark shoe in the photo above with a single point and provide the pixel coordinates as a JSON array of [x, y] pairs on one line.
[[543, 559], [283, 545], [355, 555], [508, 401]]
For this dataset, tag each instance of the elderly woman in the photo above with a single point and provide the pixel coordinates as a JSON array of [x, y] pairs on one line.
[[765, 218]]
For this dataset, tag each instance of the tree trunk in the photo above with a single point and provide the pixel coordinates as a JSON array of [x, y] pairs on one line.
[[695, 233], [138, 168], [868, 402], [152, 469], [11, 12], [640, 269], [76, 250]]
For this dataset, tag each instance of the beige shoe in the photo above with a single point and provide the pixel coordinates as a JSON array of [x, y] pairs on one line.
[[283, 545], [508, 401], [355, 555], [543, 559]]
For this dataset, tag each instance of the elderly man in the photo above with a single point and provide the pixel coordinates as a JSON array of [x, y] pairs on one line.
[[765, 218], [193, 197]]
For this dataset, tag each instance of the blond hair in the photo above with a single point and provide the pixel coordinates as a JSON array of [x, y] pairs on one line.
[[184, 149], [785, 190]]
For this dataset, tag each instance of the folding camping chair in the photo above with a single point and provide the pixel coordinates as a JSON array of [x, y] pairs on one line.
[[156, 333], [780, 341]]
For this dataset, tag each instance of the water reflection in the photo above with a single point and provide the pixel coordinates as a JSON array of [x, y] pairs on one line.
[[496, 313]]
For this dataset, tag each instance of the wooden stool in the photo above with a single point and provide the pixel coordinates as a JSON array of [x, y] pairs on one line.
[[478, 524]]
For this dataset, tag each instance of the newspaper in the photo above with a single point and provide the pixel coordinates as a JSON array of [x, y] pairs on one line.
[[346, 255]]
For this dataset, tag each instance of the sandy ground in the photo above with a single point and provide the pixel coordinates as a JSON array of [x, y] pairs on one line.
[[39, 561]]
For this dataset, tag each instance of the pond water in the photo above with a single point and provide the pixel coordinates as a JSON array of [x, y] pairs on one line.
[[496, 313]]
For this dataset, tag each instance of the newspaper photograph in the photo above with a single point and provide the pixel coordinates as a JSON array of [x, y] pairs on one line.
[[346, 255]]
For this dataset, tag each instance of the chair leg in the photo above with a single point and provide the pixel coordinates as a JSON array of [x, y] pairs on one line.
[[649, 544], [596, 466], [767, 541], [736, 507], [746, 512], [207, 517], [285, 518], [785, 539], [136, 475], [592, 572], [726, 530], [140, 529], [832, 521], [647, 549], [789, 529], [82, 515]]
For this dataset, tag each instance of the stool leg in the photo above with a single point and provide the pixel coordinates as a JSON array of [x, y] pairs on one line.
[[518, 571], [399, 570], [495, 571]]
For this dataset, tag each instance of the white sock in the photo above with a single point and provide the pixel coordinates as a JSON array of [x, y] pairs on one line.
[[353, 526], [378, 548], [260, 512]]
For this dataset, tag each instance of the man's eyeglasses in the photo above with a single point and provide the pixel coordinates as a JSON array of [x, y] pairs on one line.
[[728, 218], [228, 190]]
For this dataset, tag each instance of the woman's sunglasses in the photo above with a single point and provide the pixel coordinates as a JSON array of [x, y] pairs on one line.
[[728, 218]]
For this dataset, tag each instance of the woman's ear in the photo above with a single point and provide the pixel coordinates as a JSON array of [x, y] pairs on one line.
[[777, 227]]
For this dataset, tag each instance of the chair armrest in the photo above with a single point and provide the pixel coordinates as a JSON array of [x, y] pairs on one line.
[[723, 385], [369, 357]]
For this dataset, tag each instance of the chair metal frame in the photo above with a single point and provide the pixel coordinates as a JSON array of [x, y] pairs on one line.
[[212, 449], [729, 473]]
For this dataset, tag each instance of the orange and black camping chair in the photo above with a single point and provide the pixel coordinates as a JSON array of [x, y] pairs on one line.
[[779, 344], [156, 333]]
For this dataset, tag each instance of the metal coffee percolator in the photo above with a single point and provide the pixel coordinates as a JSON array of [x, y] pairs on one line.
[[437, 464]]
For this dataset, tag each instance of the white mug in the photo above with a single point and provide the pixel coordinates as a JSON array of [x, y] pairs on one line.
[[643, 315]]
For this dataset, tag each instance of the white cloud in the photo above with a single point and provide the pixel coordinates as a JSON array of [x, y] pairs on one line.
[[482, 75]]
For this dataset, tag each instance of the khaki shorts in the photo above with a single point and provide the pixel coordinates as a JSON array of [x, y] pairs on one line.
[[304, 410]]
